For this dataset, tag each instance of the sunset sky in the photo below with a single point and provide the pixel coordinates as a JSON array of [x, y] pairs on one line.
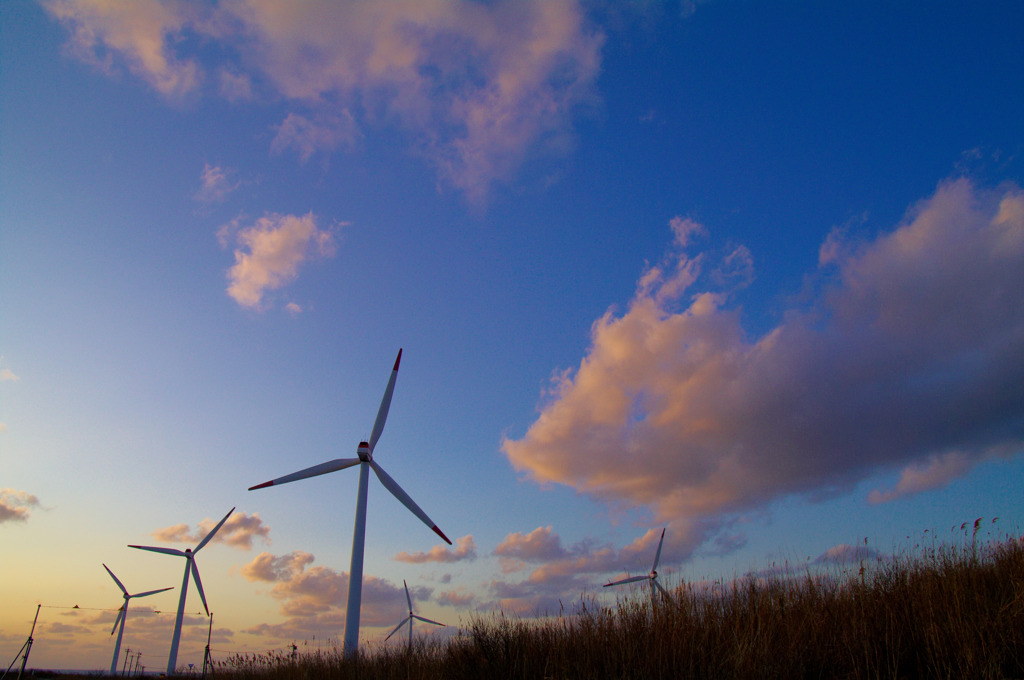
[[753, 271]]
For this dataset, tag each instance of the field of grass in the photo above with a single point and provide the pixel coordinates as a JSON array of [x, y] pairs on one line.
[[933, 612]]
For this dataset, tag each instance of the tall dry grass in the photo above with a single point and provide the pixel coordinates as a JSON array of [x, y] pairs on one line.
[[934, 612]]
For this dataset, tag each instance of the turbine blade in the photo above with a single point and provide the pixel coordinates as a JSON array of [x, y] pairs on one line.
[[632, 579], [208, 536], [321, 469], [152, 592], [407, 598], [420, 618], [120, 613], [385, 404], [396, 491], [166, 551], [199, 585], [657, 556], [116, 580], [397, 628], [660, 587]]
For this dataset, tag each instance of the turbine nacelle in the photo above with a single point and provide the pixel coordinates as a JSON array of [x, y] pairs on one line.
[[363, 452]]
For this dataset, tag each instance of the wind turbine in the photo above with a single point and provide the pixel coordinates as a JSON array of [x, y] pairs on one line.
[[409, 618], [365, 462], [190, 567], [651, 578], [122, 614]]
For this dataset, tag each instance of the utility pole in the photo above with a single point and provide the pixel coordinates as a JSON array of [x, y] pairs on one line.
[[127, 655], [207, 658], [27, 647]]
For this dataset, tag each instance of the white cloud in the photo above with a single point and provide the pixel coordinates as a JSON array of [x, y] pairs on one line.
[[271, 253], [912, 349], [7, 374]]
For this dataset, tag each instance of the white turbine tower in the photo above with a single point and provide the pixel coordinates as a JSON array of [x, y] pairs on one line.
[[651, 578], [122, 614], [365, 462], [190, 567], [409, 618]]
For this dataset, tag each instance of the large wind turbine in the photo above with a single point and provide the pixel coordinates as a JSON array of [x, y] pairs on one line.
[[365, 462], [190, 567], [409, 618], [651, 578], [122, 614]]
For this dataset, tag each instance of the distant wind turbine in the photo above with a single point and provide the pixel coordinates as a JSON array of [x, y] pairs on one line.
[[409, 618], [365, 461], [651, 578], [190, 567], [122, 614]]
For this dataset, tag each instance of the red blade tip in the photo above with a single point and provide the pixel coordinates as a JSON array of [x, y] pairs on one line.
[[441, 534], [261, 486], [398, 359]]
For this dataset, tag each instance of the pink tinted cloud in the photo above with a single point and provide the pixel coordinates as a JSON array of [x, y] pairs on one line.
[[540, 544], [316, 596], [935, 472], [270, 568], [139, 35], [238, 531], [911, 349], [562, 575], [465, 549], [270, 254], [476, 85], [455, 598]]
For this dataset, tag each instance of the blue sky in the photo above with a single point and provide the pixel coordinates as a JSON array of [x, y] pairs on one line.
[[748, 271]]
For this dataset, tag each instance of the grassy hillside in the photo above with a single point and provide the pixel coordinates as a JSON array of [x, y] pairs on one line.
[[935, 612]]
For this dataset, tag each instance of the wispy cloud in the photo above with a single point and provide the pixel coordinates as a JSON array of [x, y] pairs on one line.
[[935, 472], [465, 549], [323, 133], [16, 506], [271, 252], [476, 86], [141, 35], [216, 184], [910, 350], [6, 375], [238, 531], [844, 553]]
